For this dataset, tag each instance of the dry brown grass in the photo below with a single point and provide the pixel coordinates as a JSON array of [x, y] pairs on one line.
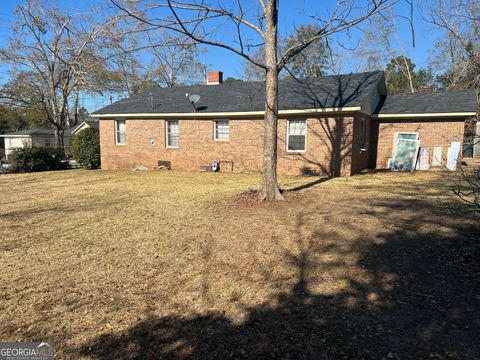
[[90, 258]]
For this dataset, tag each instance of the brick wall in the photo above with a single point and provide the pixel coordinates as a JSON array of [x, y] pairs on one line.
[[432, 133], [329, 146]]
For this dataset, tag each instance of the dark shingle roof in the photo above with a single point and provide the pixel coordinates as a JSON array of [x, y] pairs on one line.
[[423, 103], [31, 132], [352, 90], [93, 124], [35, 132]]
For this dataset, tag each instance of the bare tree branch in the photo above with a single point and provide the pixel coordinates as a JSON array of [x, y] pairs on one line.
[[334, 25]]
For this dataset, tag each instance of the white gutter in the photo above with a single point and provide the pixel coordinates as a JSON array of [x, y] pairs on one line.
[[15, 136], [27, 136], [426, 115], [228, 114]]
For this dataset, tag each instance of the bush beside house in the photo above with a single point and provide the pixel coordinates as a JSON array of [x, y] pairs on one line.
[[86, 148], [32, 159]]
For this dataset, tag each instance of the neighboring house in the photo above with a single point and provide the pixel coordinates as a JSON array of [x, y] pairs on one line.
[[42, 137], [84, 125], [335, 125]]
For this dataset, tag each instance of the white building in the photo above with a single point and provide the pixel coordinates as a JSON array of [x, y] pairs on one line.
[[42, 137]]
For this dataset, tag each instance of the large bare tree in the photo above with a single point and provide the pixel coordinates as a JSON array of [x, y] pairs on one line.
[[176, 64], [313, 61], [457, 50], [59, 50], [148, 59], [251, 26], [382, 47]]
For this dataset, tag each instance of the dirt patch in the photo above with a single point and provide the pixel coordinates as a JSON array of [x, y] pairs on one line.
[[251, 197]]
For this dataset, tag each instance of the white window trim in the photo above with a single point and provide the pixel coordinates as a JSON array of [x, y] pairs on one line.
[[288, 136], [215, 130], [49, 142], [116, 132], [395, 137], [166, 134]]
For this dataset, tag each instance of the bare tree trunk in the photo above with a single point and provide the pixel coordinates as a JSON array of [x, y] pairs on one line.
[[75, 109], [270, 189], [68, 122], [59, 136], [409, 74]]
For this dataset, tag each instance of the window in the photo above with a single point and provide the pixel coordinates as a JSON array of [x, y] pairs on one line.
[[222, 130], [363, 134], [406, 136], [172, 133], [120, 133], [296, 135], [47, 142], [403, 136]]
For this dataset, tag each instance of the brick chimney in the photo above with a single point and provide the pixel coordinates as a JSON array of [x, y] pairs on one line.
[[214, 77]]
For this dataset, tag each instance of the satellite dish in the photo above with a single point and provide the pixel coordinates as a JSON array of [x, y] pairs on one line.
[[193, 98]]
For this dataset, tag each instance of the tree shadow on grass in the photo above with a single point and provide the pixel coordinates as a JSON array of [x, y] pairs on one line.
[[309, 184], [419, 299]]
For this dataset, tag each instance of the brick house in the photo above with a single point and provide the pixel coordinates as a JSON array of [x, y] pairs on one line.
[[335, 125]]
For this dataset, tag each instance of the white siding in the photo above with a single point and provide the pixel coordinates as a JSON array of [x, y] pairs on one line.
[[13, 143], [16, 142]]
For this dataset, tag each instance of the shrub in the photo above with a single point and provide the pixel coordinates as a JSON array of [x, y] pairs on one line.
[[30, 159], [86, 148]]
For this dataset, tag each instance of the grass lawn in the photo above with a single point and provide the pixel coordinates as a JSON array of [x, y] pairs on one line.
[[139, 265]]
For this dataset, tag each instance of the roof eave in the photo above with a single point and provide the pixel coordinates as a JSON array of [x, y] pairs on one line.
[[230, 113], [424, 115]]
